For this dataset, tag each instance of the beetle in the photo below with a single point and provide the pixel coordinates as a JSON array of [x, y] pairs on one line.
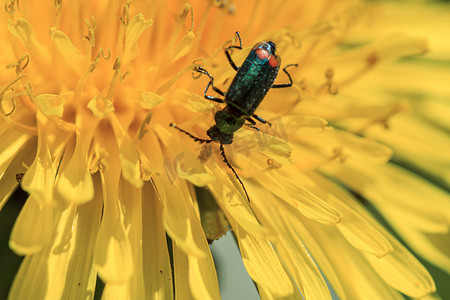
[[254, 78]]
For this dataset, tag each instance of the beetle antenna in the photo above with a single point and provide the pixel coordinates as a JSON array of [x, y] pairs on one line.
[[197, 139], [225, 160]]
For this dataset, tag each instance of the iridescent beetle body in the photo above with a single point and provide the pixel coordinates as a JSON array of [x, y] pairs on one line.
[[254, 78]]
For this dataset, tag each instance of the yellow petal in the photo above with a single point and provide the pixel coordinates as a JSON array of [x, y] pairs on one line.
[[74, 241], [132, 201], [12, 142], [50, 104], [362, 148], [113, 254], [356, 225], [128, 155], [184, 46], [418, 143], [8, 183], [136, 26], [397, 191], [149, 100], [290, 247], [186, 165], [131, 168], [80, 277], [433, 247], [403, 271], [115, 290], [100, 107], [178, 212], [263, 265], [181, 273], [72, 57], [274, 147], [39, 179], [34, 227], [316, 251], [195, 102], [302, 267], [195, 278], [235, 205], [301, 199], [303, 124], [356, 275], [156, 263], [197, 179], [23, 30], [429, 20], [75, 183]]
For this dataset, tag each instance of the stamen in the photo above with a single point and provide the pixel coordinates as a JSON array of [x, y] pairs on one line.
[[330, 84], [384, 120], [125, 18], [18, 65], [201, 27], [91, 31], [112, 85], [102, 53], [177, 49], [143, 128], [371, 60], [188, 8], [195, 65], [10, 7], [82, 81], [272, 164], [12, 96], [167, 85], [58, 6]]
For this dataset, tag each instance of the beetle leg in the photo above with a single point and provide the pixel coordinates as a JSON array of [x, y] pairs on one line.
[[261, 119], [284, 85], [211, 84], [251, 126], [227, 53], [250, 123]]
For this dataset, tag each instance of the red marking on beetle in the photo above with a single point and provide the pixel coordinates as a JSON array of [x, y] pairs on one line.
[[264, 54], [273, 61]]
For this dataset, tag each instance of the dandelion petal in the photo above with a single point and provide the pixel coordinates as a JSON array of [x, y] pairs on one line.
[[156, 263], [63, 267], [356, 225], [8, 182], [113, 254], [12, 142], [137, 25], [356, 276], [69, 53], [304, 201], [34, 227], [263, 264], [23, 30], [149, 100], [403, 271], [75, 183]]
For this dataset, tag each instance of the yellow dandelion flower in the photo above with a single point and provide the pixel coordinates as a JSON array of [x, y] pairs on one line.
[[88, 94]]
